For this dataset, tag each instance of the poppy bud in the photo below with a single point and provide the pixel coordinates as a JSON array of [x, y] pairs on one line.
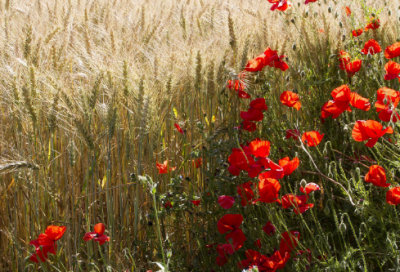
[[327, 211], [287, 78], [336, 15], [389, 12], [293, 21], [342, 227], [372, 220], [298, 4], [380, 63], [343, 37], [385, 101], [294, 46], [329, 9], [369, 56], [303, 74], [306, 14], [373, 15], [303, 183], [340, 24]]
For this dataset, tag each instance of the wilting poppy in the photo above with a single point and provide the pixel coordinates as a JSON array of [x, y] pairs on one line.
[[252, 115], [353, 67], [163, 168], [259, 104], [377, 176], [387, 100], [196, 202], [289, 165], [260, 148], [344, 59], [269, 190], [249, 126], [226, 202], [229, 222], [223, 252], [292, 133], [273, 60], [51, 235], [373, 23], [98, 234], [347, 10], [310, 187], [239, 86], [237, 238], [179, 128], [289, 241], [393, 196], [372, 47], [369, 130], [392, 51], [290, 99], [357, 32], [247, 194], [312, 138], [392, 70], [269, 229], [41, 251], [197, 162]]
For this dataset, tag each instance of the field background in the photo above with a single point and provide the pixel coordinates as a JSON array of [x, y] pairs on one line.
[[90, 92]]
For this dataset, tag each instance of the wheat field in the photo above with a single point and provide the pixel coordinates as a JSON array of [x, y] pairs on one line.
[[89, 95]]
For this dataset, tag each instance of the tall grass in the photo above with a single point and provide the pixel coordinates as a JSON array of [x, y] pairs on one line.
[[90, 92]]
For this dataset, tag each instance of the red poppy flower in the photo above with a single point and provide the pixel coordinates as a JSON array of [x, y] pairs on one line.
[[392, 51], [179, 128], [276, 171], [42, 251], [353, 67], [239, 88], [163, 168], [262, 262], [269, 229], [98, 234], [347, 10], [289, 165], [226, 202], [292, 133], [249, 126], [197, 162], [290, 99], [344, 59], [377, 176], [168, 205], [252, 115], [255, 169], [259, 104], [257, 243], [260, 148], [273, 60], [387, 100], [239, 161], [369, 130], [334, 108], [51, 235], [236, 238], [289, 242], [309, 1], [256, 64], [357, 32], [282, 5], [280, 64], [298, 202], [392, 70], [359, 102], [373, 24], [310, 187], [393, 196], [247, 194], [196, 202], [269, 190], [312, 138], [371, 47], [229, 222]]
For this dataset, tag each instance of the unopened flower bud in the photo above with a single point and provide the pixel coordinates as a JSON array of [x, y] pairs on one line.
[[293, 21], [329, 9], [343, 38], [380, 62], [298, 4], [294, 46], [327, 211], [336, 15], [340, 24], [385, 101], [303, 74], [373, 15], [389, 12], [306, 14], [287, 78], [303, 183], [342, 227]]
